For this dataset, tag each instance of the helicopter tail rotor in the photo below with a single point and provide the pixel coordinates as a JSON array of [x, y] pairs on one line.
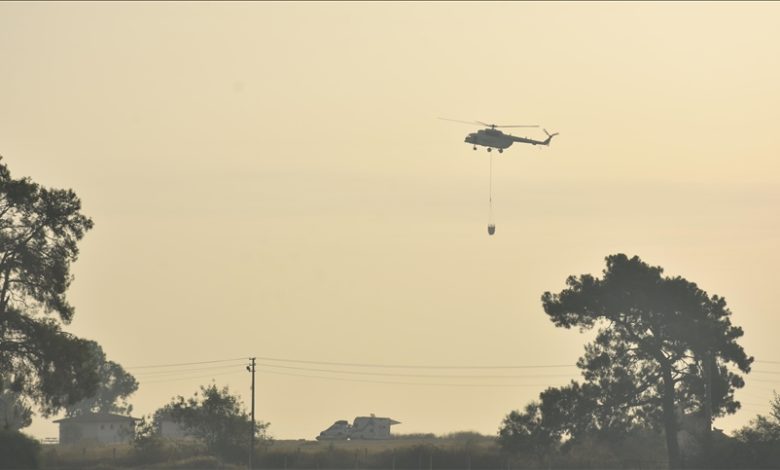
[[549, 136]]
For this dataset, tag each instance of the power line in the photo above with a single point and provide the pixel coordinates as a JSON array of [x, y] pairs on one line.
[[769, 388], [751, 379], [758, 396], [406, 366], [178, 371], [186, 363], [434, 376], [389, 366], [187, 378], [171, 375], [435, 384]]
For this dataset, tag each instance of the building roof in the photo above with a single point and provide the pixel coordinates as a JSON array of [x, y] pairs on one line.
[[96, 418], [376, 418]]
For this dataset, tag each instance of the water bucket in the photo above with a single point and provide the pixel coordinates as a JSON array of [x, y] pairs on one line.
[[491, 229]]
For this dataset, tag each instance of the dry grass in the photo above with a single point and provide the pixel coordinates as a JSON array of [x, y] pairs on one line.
[[484, 443], [298, 453], [88, 454]]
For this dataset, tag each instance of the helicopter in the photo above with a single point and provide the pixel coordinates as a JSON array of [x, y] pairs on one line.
[[492, 138]]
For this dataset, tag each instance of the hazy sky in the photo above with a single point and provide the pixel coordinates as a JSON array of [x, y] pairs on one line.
[[271, 179]]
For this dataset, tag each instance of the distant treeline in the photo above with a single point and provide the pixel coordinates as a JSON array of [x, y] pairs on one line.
[[752, 448]]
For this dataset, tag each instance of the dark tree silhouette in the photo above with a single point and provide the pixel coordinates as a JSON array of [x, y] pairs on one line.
[[762, 439], [14, 413], [527, 431], [39, 232], [113, 389], [656, 338], [582, 410], [216, 417]]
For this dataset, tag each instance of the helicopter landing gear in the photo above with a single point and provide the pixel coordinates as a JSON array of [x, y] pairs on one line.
[[500, 150], [490, 149], [475, 147]]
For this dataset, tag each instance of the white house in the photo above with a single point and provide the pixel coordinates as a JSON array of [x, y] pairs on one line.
[[371, 427], [105, 428], [337, 431], [364, 427]]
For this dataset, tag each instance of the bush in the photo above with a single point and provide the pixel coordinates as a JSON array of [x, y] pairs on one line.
[[18, 451], [203, 462], [217, 418], [414, 436], [466, 436]]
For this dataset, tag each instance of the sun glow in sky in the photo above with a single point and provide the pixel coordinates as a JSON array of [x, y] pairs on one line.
[[271, 179]]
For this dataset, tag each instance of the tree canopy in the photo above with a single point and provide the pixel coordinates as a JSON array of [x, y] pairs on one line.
[[216, 417], [39, 233], [114, 387], [659, 341], [528, 431]]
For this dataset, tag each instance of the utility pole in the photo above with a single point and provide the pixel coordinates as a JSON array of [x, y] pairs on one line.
[[251, 368]]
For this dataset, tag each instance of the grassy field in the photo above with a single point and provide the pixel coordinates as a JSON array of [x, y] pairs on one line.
[[403, 452], [399, 443], [85, 455], [466, 451]]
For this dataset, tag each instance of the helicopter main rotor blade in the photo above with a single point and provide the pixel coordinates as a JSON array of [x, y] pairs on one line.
[[496, 125], [462, 122]]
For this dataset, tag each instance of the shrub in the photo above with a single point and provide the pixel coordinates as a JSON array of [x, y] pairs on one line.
[[18, 451], [203, 462], [217, 418]]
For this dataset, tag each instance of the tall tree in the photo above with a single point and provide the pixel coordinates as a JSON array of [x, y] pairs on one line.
[[115, 386], [656, 338], [39, 233]]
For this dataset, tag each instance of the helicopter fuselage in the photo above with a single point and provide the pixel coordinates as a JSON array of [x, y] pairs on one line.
[[490, 138], [493, 138]]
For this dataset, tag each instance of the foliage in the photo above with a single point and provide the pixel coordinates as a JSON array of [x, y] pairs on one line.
[[414, 435], [115, 385], [636, 449], [15, 414], [39, 232], [148, 445], [465, 436], [527, 432], [18, 451], [588, 411], [217, 418], [656, 336], [202, 462], [576, 411], [762, 438], [411, 454]]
